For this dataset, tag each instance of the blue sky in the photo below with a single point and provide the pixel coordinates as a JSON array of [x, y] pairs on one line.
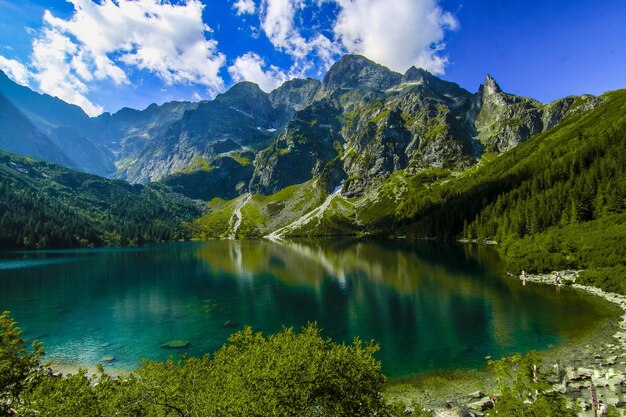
[[107, 54]]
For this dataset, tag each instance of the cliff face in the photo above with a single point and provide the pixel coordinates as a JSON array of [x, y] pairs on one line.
[[367, 122], [503, 121]]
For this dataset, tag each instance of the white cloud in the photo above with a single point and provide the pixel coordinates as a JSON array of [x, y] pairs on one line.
[[278, 23], [244, 7], [165, 38], [100, 40], [15, 70], [103, 39], [52, 64], [397, 33], [249, 67]]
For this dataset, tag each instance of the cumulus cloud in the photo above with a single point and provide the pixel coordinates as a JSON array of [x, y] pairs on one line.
[[278, 23], [397, 33], [244, 7], [101, 39], [15, 70], [250, 67], [52, 60]]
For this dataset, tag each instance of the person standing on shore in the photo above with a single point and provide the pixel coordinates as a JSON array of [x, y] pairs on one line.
[[524, 277]]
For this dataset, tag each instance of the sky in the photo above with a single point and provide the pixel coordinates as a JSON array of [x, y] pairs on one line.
[[107, 54]]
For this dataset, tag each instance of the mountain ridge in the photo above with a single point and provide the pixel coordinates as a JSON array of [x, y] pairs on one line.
[[359, 125]]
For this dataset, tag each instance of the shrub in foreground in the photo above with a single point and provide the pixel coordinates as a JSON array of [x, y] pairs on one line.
[[285, 374]]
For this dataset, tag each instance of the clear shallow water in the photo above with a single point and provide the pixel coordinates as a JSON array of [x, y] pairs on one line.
[[431, 306]]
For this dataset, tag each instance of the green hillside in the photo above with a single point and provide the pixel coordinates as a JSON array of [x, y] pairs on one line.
[[44, 205]]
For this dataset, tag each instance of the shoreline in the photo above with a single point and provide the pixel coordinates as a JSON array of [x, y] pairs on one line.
[[598, 358]]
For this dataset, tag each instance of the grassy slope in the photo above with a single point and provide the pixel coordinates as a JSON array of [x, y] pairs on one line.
[[46, 205], [261, 214]]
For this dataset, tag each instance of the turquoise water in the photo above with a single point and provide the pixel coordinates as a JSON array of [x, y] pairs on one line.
[[431, 306]]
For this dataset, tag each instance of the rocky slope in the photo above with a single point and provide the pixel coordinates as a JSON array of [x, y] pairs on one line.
[[243, 119], [61, 128], [374, 185], [368, 122], [503, 121], [19, 135]]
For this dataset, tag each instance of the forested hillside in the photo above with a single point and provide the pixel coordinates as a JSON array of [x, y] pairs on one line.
[[554, 202], [44, 205]]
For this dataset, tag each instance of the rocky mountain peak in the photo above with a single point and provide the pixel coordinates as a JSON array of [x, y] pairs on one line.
[[241, 89], [416, 75], [54, 110], [354, 72], [296, 93], [434, 84], [248, 98], [490, 86]]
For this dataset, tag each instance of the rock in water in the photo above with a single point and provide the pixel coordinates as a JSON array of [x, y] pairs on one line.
[[231, 324], [176, 344]]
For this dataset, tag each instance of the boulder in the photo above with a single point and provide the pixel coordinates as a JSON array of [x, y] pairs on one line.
[[483, 404], [477, 395]]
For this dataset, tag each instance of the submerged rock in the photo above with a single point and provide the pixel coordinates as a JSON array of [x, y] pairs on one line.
[[231, 324], [176, 344]]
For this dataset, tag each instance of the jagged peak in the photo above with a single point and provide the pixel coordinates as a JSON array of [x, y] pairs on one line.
[[244, 93], [491, 86], [356, 62]]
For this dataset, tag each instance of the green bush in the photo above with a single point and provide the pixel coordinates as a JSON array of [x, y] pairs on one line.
[[611, 279], [17, 364], [522, 386], [285, 374]]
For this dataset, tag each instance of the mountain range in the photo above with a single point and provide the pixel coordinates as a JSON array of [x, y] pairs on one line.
[[359, 125]]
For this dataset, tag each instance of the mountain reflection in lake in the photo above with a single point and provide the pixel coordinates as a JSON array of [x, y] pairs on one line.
[[429, 305]]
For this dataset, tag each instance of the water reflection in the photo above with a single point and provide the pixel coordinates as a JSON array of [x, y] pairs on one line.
[[429, 305], [426, 303]]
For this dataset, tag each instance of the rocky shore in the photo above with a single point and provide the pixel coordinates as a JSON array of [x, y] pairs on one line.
[[600, 362]]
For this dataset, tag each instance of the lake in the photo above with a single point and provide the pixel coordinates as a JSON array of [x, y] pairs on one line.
[[431, 306]]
